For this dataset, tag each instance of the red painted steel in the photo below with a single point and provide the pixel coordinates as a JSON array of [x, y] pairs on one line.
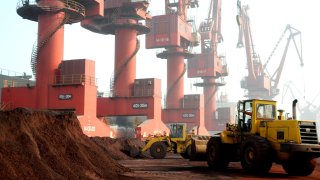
[[192, 114], [210, 105], [130, 97], [175, 84], [172, 32], [205, 65], [95, 9], [167, 31], [111, 106], [60, 85], [49, 57], [125, 67], [92, 126], [19, 97], [209, 65]]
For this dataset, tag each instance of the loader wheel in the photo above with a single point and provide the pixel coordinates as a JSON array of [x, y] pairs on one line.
[[216, 157], [186, 155], [256, 155], [299, 166], [158, 150]]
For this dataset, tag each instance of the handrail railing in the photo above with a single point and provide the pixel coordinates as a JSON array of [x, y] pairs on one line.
[[74, 79], [17, 83], [11, 73]]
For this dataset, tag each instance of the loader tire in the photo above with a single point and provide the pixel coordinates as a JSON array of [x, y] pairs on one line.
[[186, 155], [256, 155], [216, 157], [158, 150], [299, 166]]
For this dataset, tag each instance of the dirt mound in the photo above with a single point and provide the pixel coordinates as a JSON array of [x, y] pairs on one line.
[[50, 145], [120, 149], [113, 147]]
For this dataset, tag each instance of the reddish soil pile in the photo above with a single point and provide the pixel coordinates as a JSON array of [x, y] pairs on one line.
[[50, 145], [113, 147], [120, 149]]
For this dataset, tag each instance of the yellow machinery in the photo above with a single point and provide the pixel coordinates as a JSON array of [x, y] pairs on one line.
[[189, 146], [260, 138]]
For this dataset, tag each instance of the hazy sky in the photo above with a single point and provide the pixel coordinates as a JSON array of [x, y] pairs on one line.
[[268, 20]]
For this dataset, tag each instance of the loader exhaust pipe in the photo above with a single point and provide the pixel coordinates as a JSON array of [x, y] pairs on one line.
[[294, 109]]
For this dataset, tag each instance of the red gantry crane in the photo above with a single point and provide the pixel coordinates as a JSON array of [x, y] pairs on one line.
[[173, 31], [60, 85], [258, 83], [133, 104], [209, 65]]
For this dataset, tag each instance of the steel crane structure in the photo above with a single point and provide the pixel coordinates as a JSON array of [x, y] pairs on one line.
[[173, 31], [60, 85], [131, 100], [259, 83], [210, 66]]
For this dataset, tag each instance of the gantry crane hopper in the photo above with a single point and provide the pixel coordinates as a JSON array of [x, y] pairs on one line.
[[208, 64], [258, 83]]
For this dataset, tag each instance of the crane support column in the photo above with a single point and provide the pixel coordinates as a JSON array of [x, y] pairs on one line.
[[125, 47], [49, 57], [175, 81], [209, 91]]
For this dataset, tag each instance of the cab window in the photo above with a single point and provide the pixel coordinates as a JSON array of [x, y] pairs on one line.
[[266, 111], [176, 131]]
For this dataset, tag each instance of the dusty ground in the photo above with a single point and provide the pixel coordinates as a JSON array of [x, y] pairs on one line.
[[175, 167]]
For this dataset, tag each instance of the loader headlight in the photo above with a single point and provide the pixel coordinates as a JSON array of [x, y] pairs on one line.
[[292, 142]]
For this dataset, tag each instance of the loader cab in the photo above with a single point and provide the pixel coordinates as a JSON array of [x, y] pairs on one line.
[[245, 115], [251, 112], [178, 131]]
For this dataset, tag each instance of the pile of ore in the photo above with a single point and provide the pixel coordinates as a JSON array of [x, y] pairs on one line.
[[51, 145]]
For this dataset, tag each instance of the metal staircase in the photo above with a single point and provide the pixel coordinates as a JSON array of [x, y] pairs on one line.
[[74, 12], [43, 41]]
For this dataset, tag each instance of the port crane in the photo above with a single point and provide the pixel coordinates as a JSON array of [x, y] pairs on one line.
[[209, 65], [259, 83]]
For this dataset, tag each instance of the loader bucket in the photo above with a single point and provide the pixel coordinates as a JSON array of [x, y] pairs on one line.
[[132, 147], [134, 152], [198, 148]]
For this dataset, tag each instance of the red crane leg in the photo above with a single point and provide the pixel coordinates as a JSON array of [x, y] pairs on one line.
[[210, 104], [125, 47], [175, 83], [49, 57]]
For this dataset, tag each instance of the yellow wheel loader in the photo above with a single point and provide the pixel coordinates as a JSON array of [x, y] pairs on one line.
[[189, 146], [261, 138]]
